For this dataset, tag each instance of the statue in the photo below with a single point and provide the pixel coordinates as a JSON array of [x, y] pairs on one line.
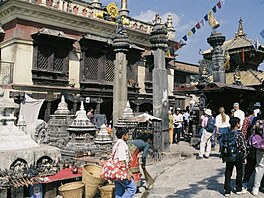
[[157, 19], [237, 76], [119, 25], [227, 61]]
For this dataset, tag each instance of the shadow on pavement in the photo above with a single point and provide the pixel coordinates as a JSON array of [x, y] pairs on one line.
[[210, 183]]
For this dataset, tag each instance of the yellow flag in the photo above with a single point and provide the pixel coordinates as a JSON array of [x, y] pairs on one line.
[[189, 33]]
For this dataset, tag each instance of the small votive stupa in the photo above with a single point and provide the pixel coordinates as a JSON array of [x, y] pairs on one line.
[[58, 124], [82, 133], [103, 137]]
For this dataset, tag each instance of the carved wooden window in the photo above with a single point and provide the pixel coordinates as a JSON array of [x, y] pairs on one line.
[[91, 64], [51, 65], [109, 69]]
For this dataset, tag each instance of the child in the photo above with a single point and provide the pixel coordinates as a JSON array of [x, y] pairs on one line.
[[126, 187], [237, 158]]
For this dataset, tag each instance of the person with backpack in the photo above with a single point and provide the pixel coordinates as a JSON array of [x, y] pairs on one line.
[[233, 152], [208, 126]]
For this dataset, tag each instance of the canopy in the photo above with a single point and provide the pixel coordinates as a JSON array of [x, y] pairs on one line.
[[145, 117]]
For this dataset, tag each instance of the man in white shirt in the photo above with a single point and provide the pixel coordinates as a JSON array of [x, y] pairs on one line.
[[177, 121], [239, 114]]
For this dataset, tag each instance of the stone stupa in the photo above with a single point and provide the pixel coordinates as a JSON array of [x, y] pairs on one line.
[[15, 143], [58, 124]]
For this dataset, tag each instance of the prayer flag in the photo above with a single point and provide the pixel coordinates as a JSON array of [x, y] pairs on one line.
[[177, 46], [214, 9], [189, 33], [202, 22], [219, 4], [262, 33], [198, 26], [184, 37], [193, 30], [206, 17]]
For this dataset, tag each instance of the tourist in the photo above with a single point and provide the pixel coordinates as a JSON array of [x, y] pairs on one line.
[[239, 113], [240, 158], [186, 119], [90, 114], [221, 122], [170, 126], [259, 168], [123, 188], [208, 125], [177, 122], [251, 157]]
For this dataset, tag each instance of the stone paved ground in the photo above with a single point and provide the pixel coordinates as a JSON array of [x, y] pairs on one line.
[[182, 177]]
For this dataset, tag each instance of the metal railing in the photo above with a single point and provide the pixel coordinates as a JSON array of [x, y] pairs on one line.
[[6, 72]]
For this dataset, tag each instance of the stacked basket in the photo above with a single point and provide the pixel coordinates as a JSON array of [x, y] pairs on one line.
[[72, 190], [91, 178], [107, 191]]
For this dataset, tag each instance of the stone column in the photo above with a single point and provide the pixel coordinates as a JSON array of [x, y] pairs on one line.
[[121, 45], [124, 11], [158, 41], [216, 40]]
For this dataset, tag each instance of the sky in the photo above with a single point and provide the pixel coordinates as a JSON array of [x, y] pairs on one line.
[[187, 13]]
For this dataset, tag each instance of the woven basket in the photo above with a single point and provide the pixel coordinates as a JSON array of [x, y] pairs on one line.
[[91, 174], [72, 190], [91, 178], [107, 191]]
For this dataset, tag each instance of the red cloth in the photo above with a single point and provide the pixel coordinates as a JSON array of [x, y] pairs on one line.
[[62, 175]]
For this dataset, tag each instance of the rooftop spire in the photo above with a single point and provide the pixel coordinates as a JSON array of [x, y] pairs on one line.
[[240, 31]]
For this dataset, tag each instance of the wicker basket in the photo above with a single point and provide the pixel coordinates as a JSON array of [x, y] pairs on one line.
[[72, 190], [107, 191], [91, 178]]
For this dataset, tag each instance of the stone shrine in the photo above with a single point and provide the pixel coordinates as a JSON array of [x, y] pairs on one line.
[[15, 144], [103, 137], [58, 124], [82, 133]]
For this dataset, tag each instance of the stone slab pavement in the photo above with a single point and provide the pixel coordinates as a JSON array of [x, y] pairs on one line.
[[181, 175]]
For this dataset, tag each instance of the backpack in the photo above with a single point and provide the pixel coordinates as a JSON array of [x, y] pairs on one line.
[[229, 150], [210, 125]]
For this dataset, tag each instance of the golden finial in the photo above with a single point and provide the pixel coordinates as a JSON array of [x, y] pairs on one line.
[[212, 21]]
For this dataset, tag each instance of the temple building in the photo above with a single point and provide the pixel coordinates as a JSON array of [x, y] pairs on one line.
[[243, 81], [243, 54], [53, 48]]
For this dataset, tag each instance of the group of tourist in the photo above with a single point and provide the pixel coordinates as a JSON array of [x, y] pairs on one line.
[[234, 133], [178, 124]]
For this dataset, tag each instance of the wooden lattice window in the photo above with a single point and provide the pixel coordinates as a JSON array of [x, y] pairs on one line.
[[51, 59], [44, 55], [109, 69], [91, 65], [59, 56]]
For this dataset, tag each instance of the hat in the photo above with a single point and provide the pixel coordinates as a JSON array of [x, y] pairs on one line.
[[257, 104], [236, 104], [208, 112], [178, 109]]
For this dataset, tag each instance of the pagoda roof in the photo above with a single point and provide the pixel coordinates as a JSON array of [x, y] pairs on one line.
[[248, 78], [238, 42]]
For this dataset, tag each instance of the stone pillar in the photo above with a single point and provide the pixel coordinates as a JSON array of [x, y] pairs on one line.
[[121, 45], [158, 41], [124, 11], [216, 40]]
